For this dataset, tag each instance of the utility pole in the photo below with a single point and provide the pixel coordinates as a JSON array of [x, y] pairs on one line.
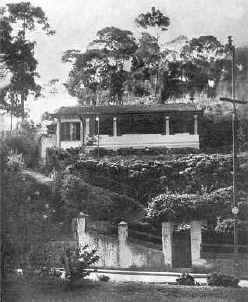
[[234, 101], [98, 134]]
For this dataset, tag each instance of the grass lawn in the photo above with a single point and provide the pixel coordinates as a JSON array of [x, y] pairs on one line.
[[89, 291]]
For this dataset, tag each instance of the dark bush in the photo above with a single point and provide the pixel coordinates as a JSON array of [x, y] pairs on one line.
[[218, 279], [77, 195], [103, 278], [186, 279]]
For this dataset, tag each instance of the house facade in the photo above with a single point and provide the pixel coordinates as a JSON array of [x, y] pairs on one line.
[[128, 126]]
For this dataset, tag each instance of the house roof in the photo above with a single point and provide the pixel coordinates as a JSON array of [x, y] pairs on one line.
[[111, 110]]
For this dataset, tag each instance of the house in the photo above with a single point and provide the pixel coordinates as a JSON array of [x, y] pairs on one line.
[[128, 126]]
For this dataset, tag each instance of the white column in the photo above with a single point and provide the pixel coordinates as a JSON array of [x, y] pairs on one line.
[[80, 226], [167, 125], [114, 126], [195, 124], [81, 132], [123, 255], [87, 127], [167, 237], [196, 240], [58, 133]]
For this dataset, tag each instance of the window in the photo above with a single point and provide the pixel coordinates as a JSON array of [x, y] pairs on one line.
[[70, 131]]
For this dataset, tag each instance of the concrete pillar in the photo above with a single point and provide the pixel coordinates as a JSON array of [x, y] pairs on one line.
[[196, 240], [114, 126], [167, 237], [58, 133], [80, 226], [87, 127], [167, 125], [195, 124], [123, 256], [122, 232]]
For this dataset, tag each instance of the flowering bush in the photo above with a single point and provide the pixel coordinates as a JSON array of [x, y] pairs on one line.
[[186, 207]]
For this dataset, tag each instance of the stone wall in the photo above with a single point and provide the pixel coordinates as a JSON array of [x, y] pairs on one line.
[[119, 251]]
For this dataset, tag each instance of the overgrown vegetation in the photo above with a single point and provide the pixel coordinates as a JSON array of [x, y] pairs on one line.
[[186, 279], [76, 261], [218, 279], [27, 221]]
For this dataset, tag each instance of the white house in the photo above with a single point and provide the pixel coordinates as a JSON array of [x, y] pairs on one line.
[[128, 126]]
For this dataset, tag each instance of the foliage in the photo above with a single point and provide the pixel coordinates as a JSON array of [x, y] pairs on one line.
[[201, 65], [100, 67], [102, 204], [218, 279], [186, 279], [17, 19], [155, 18], [76, 261], [22, 144], [27, 223], [59, 159], [119, 44], [103, 278], [172, 207]]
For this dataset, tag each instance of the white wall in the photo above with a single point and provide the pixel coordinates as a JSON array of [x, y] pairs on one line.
[[181, 140]]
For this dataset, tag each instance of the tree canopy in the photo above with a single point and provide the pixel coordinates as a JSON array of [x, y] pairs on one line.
[[155, 70], [155, 18], [16, 20]]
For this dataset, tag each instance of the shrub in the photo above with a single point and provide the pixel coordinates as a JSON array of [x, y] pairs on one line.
[[76, 261], [218, 279], [103, 278], [77, 195], [22, 144], [186, 207], [186, 279]]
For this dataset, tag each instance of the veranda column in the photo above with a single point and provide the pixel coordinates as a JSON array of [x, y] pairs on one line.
[[167, 237], [195, 124], [82, 132], [114, 126], [196, 240], [87, 127], [58, 133], [167, 125]]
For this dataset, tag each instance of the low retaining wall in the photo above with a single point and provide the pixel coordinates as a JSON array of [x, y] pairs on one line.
[[123, 252], [119, 251]]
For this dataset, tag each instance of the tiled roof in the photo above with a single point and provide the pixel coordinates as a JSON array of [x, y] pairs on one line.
[[110, 109]]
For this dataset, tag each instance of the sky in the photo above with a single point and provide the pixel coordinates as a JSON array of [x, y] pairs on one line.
[[77, 21]]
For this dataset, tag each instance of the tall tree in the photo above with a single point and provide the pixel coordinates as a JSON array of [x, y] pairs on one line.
[[18, 19], [156, 20], [203, 61], [153, 19], [144, 64], [98, 69], [89, 73], [118, 44]]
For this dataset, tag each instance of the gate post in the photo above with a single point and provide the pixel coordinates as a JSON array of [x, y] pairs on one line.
[[196, 240], [167, 237], [79, 228]]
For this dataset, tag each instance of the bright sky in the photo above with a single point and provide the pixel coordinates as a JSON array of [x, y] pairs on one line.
[[77, 21]]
